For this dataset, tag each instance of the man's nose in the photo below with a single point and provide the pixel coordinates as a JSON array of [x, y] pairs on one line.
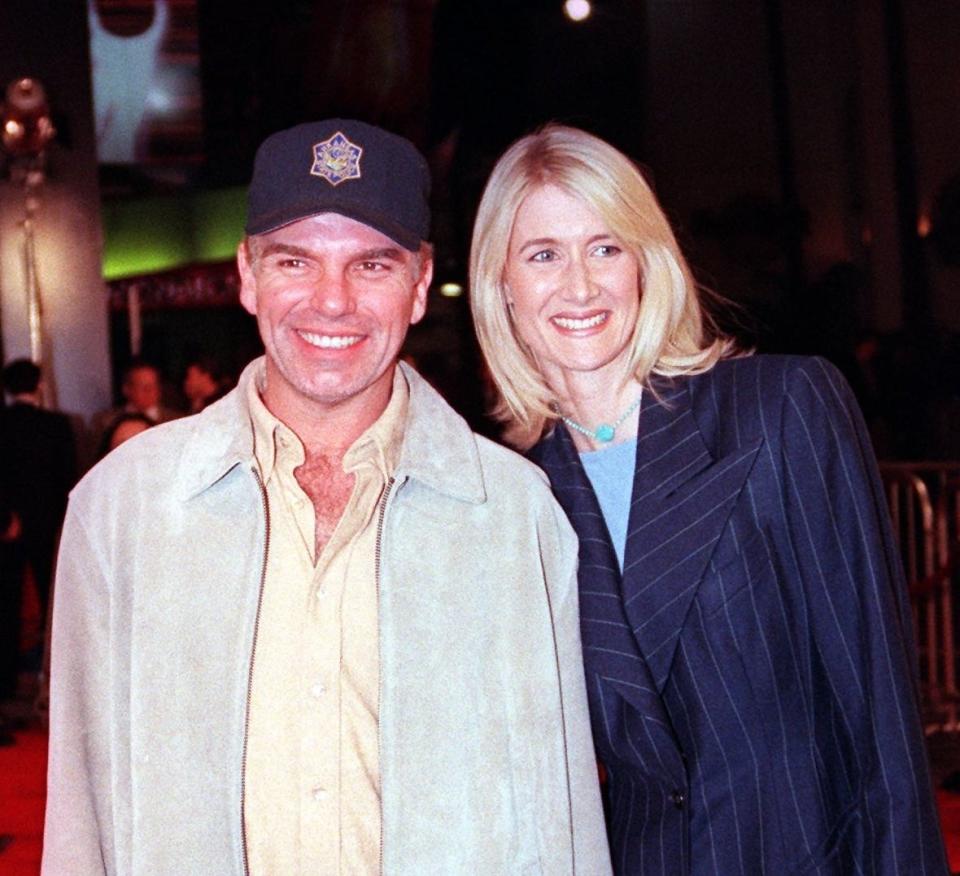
[[333, 295]]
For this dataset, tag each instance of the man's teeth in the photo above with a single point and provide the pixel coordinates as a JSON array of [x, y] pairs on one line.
[[335, 342], [574, 324]]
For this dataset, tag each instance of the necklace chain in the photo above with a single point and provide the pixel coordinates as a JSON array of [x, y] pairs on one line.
[[605, 432]]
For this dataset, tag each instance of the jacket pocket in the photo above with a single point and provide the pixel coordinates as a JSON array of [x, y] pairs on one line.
[[841, 852]]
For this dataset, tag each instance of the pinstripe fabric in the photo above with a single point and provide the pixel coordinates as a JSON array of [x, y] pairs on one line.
[[750, 675]]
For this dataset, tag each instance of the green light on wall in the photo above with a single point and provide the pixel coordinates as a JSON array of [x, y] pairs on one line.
[[157, 234]]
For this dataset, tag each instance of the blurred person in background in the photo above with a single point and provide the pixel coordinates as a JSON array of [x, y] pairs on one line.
[[38, 467], [122, 429], [142, 391], [203, 382]]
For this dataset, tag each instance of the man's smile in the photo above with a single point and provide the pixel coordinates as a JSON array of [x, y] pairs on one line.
[[329, 342]]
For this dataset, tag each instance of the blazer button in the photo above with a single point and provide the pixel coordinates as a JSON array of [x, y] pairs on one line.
[[677, 798]]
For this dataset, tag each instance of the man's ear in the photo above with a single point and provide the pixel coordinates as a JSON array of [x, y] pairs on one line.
[[248, 281]]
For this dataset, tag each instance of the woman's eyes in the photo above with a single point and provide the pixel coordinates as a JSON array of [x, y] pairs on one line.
[[544, 255], [603, 250]]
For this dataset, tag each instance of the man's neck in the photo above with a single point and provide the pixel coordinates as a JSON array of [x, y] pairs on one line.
[[328, 430]]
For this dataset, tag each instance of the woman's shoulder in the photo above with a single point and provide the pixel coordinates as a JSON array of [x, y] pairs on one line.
[[764, 379], [748, 397]]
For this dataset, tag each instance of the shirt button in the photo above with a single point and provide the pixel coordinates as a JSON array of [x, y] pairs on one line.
[[319, 794], [318, 690], [677, 798]]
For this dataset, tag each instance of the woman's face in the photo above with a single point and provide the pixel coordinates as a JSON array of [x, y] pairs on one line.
[[573, 285]]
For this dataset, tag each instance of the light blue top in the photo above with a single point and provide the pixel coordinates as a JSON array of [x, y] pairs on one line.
[[610, 470]]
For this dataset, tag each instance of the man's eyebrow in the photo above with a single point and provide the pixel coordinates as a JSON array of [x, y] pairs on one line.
[[285, 249], [385, 252]]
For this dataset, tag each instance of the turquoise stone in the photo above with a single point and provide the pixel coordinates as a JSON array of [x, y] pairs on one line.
[[605, 432]]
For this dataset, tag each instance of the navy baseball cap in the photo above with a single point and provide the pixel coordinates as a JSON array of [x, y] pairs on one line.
[[341, 166]]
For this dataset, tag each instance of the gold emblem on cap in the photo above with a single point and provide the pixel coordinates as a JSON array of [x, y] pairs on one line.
[[336, 159]]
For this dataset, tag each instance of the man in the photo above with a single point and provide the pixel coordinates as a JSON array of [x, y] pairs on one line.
[[38, 466], [142, 391], [203, 383], [321, 627], [9, 610]]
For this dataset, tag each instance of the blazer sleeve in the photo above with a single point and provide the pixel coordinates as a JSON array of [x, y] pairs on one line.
[[860, 616], [78, 833]]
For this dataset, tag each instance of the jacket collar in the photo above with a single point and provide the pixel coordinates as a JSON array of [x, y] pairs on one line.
[[438, 449], [681, 500]]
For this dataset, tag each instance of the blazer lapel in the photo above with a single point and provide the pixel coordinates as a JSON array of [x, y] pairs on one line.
[[608, 642], [682, 498]]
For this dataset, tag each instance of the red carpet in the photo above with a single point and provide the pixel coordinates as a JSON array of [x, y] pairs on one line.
[[950, 819], [22, 794]]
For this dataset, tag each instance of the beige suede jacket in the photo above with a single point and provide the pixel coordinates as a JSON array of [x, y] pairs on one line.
[[486, 757]]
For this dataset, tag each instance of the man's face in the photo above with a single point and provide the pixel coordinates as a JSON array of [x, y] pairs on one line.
[[141, 389], [333, 299], [197, 383]]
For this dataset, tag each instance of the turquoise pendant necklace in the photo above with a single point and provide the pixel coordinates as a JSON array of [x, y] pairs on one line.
[[605, 432]]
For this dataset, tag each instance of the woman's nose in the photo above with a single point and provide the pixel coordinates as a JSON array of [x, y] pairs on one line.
[[579, 286]]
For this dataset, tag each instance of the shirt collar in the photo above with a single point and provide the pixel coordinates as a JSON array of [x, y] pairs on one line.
[[379, 445]]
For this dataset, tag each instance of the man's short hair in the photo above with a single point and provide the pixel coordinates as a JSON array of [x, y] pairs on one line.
[[139, 365], [209, 365], [21, 376]]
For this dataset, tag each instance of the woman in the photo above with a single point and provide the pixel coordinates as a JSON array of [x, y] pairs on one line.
[[745, 627], [123, 428]]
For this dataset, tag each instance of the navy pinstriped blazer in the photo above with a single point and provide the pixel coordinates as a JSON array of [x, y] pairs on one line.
[[751, 674]]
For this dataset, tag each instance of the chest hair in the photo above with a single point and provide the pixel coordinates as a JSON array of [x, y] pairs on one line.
[[329, 488]]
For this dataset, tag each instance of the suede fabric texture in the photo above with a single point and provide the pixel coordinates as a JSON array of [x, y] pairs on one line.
[[487, 764]]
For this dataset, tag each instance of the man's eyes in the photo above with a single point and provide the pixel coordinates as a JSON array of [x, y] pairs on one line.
[[297, 265], [285, 263]]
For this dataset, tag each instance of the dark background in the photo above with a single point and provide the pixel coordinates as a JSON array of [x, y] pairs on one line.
[[808, 154]]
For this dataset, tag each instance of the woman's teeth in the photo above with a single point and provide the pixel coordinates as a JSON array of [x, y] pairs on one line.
[[574, 324]]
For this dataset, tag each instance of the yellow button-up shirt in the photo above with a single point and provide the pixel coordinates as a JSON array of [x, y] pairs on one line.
[[312, 769]]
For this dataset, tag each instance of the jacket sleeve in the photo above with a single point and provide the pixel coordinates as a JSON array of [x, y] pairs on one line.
[[78, 834], [559, 562], [860, 618]]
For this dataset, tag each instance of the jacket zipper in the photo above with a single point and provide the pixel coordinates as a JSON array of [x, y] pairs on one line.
[[376, 561], [253, 654]]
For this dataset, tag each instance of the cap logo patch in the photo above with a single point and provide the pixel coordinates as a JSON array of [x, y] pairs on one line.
[[336, 159]]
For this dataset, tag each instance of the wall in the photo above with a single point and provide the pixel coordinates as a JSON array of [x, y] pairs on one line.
[[47, 39]]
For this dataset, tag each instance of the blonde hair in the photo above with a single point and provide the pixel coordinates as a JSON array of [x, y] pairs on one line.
[[673, 335]]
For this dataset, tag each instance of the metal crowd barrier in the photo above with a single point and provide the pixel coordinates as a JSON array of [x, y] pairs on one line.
[[924, 501]]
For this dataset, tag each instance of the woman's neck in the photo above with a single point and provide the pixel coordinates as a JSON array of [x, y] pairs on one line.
[[590, 401]]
